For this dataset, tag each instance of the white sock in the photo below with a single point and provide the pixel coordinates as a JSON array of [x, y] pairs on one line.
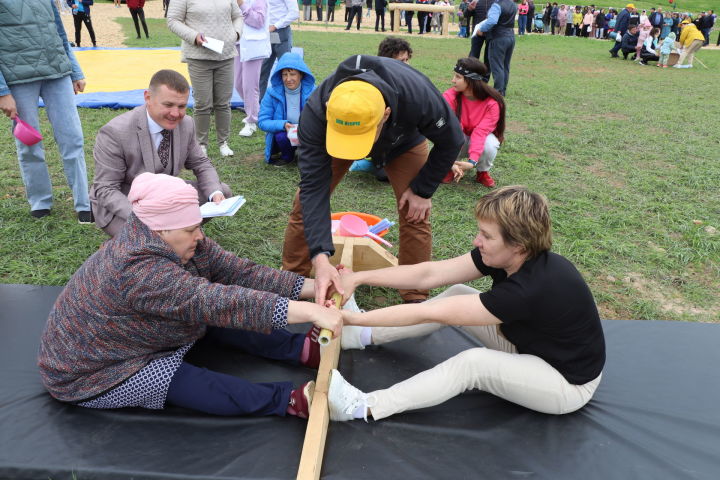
[[360, 411], [366, 336]]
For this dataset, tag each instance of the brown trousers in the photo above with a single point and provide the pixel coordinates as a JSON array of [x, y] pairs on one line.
[[415, 238]]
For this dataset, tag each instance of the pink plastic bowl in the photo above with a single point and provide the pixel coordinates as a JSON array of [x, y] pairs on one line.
[[26, 133], [354, 226]]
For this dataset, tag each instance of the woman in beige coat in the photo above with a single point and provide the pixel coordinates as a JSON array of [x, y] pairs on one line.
[[199, 23]]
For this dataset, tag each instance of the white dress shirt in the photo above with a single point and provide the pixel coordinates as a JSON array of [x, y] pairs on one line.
[[154, 128], [282, 12]]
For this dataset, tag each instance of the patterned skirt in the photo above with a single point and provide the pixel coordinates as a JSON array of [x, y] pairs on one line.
[[147, 388]]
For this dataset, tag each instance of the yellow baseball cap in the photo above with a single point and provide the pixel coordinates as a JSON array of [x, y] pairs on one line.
[[630, 5], [354, 110]]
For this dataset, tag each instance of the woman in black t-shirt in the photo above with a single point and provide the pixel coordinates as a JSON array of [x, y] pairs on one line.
[[544, 344]]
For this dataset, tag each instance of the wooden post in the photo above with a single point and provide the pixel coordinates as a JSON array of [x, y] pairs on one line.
[[314, 444], [419, 7], [358, 254]]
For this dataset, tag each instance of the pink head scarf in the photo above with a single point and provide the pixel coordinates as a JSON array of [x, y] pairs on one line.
[[163, 202]]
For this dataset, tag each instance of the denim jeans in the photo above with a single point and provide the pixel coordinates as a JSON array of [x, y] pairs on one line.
[[500, 52], [522, 24], [59, 101]]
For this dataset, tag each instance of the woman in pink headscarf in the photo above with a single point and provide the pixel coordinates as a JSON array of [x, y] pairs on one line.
[[118, 333]]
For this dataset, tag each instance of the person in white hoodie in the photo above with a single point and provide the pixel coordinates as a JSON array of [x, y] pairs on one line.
[[281, 13], [253, 48]]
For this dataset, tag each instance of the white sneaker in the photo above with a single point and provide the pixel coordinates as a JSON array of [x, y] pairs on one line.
[[344, 399], [248, 130], [225, 150], [204, 150]]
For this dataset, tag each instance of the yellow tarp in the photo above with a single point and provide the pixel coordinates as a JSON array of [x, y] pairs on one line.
[[126, 69]]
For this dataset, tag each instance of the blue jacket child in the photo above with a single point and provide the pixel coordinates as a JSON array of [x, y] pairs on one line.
[[273, 108]]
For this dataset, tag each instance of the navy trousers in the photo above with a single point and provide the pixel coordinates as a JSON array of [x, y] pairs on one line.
[[221, 394], [476, 45], [500, 54], [283, 146]]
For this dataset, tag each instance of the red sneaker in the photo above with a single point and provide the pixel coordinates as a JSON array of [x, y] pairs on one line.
[[449, 177], [484, 178], [301, 399], [310, 356]]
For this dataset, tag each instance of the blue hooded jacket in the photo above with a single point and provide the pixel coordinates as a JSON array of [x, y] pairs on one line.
[[273, 108]]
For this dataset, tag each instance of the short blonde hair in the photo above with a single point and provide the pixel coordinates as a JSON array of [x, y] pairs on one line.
[[522, 215]]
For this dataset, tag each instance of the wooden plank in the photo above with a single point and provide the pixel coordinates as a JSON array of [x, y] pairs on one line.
[[420, 7], [316, 432], [446, 9]]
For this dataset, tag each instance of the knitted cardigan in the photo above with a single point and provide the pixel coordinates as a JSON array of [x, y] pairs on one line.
[[133, 301]]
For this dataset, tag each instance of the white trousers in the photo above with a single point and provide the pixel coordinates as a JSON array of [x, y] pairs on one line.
[[526, 380], [490, 151]]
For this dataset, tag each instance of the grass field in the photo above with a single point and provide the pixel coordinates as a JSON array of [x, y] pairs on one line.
[[627, 155]]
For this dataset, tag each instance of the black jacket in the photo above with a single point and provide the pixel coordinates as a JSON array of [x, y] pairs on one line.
[[629, 42], [600, 20], [481, 11], [418, 111]]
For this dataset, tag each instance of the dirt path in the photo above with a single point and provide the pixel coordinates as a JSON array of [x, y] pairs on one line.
[[107, 30], [109, 33]]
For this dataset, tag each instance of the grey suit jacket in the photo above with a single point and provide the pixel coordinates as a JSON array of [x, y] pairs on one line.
[[124, 150]]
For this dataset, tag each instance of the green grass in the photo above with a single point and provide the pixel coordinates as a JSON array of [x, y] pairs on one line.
[[627, 155], [160, 36]]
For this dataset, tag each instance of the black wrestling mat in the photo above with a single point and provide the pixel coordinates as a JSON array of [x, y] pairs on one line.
[[655, 416]]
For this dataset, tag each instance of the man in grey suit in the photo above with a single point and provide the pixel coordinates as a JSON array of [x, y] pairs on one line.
[[156, 137]]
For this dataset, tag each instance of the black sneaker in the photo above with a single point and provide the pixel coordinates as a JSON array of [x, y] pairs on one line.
[[85, 217], [43, 212]]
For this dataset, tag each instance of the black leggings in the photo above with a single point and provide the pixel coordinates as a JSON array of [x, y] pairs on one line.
[[78, 19], [138, 12]]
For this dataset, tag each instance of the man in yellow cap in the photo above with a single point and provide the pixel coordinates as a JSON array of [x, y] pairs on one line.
[[622, 22], [691, 40], [370, 107]]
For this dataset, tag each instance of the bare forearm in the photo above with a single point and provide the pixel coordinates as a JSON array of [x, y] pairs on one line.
[[417, 276], [424, 275], [455, 310], [395, 316]]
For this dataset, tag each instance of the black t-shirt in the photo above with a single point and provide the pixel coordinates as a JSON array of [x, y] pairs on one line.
[[548, 311]]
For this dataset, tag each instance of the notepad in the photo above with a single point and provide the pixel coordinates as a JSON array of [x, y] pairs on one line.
[[214, 44], [226, 208]]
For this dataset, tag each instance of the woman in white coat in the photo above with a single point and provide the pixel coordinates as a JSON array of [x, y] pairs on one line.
[[253, 48]]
